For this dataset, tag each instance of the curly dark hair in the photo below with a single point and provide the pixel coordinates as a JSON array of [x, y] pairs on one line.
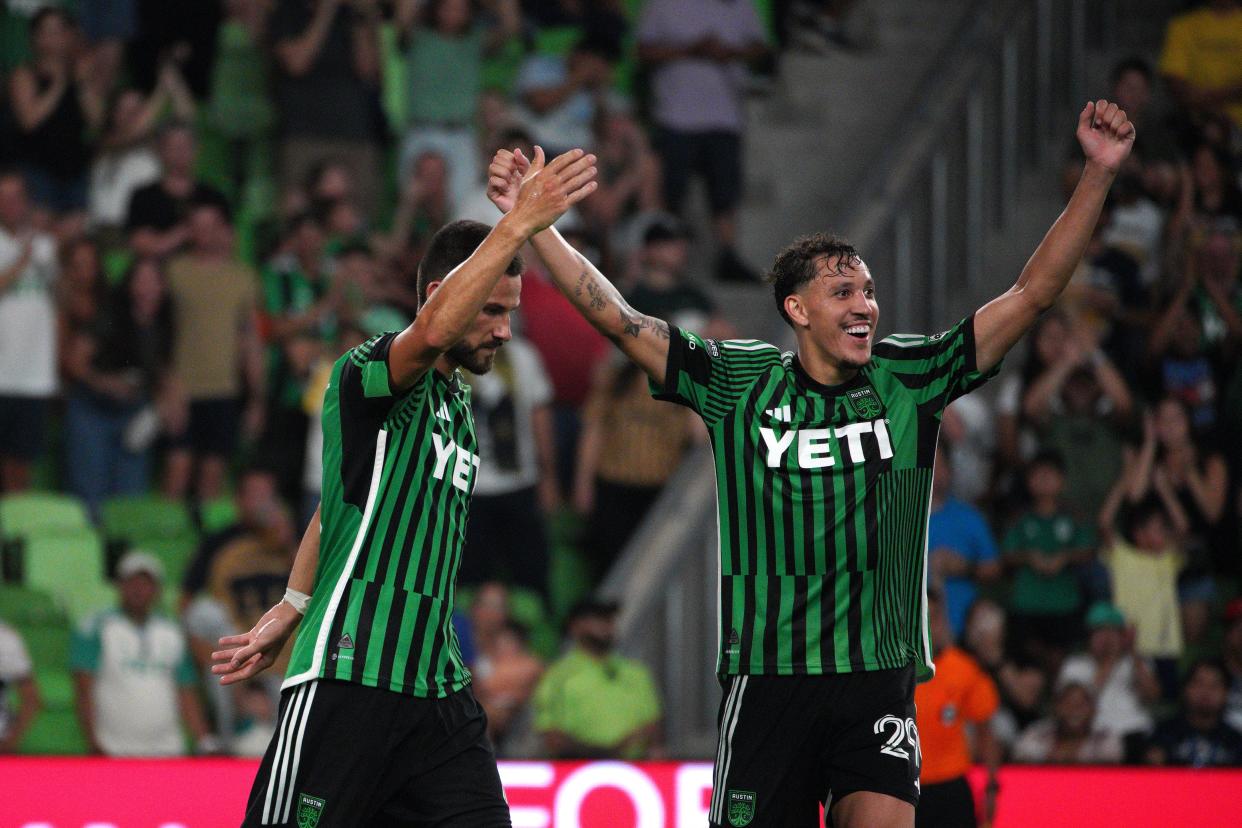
[[796, 264]]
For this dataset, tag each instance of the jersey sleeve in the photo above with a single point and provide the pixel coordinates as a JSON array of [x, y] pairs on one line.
[[935, 369], [710, 376], [365, 386]]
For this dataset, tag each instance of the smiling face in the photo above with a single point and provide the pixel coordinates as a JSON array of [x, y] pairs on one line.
[[476, 351], [835, 312]]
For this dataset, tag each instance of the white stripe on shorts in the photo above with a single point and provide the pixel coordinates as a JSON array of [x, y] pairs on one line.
[[297, 750], [724, 752]]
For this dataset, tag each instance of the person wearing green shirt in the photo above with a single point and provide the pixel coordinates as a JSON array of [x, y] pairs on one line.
[[593, 703], [1047, 547]]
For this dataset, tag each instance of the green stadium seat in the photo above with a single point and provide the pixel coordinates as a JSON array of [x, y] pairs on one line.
[[55, 733], [55, 689], [22, 606], [48, 646], [526, 608], [217, 515], [41, 513], [139, 517], [71, 568]]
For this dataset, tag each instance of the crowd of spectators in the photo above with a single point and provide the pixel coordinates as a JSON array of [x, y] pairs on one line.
[[203, 211]]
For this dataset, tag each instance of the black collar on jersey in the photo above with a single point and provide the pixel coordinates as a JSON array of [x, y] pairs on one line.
[[812, 384]]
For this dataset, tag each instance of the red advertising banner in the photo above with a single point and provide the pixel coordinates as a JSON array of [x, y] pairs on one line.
[[206, 793]]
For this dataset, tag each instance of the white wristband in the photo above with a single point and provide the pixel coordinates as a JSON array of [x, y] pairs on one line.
[[297, 600]]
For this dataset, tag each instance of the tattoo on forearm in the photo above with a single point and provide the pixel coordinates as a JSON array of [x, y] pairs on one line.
[[598, 296], [596, 299], [633, 322]]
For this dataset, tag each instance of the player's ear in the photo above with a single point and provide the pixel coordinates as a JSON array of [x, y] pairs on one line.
[[432, 287], [796, 311]]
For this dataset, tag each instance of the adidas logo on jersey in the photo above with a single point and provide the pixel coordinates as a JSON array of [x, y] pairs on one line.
[[443, 413], [821, 448]]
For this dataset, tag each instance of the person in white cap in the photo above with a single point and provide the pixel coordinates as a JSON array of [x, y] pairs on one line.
[[133, 677]]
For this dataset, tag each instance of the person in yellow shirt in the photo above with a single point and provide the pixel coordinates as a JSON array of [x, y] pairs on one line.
[[1202, 59], [960, 694]]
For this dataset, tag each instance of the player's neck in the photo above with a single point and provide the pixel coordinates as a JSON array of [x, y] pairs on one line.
[[446, 365], [824, 369]]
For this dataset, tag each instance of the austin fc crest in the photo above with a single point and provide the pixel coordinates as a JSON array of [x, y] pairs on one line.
[[310, 809], [741, 808], [864, 402]]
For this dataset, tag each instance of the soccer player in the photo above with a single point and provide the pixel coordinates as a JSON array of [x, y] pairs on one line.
[[378, 724], [824, 470]]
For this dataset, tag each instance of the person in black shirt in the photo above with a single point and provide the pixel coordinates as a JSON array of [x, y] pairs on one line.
[[156, 220], [1199, 737]]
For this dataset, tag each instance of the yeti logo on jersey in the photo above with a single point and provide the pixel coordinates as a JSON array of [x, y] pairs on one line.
[[864, 402], [463, 462], [310, 809], [741, 808], [815, 446]]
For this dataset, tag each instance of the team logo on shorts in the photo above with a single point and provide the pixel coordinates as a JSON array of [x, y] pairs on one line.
[[741, 808], [864, 402], [310, 809]]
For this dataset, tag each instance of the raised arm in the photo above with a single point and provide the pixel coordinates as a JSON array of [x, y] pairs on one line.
[[644, 339], [544, 194], [1106, 136]]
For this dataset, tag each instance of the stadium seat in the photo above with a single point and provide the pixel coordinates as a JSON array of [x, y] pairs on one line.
[[41, 513], [139, 517], [71, 568], [48, 646], [22, 606], [55, 732]]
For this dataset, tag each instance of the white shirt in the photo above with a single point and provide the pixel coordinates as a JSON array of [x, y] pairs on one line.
[[14, 666], [114, 177], [1118, 709], [505, 398], [28, 319], [137, 672]]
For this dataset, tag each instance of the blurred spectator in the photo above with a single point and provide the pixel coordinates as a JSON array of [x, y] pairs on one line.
[[327, 83], [132, 672], [563, 94], [1069, 737], [239, 106], [603, 19], [593, 703], [1144, 559], [1198, 736], [256, 725], [57, 102], [662, 289], [1078, 403], [969, 427], [960, 697], [348, 336], [697, 51], [505, 676], [157, 217], [1021, 684], [629, 176], [334, 200], [1016, 438], [28, 354], [17, 674], [214, 306], [962, 552], [1232, 649], [116, 370], [516, 483], [108, 25], [1202, 59], [630, 446], [126, 160], [235, 581], [489, 613], [424, 206], [446, 43], [81, 290], [1045, 547], [1123, 683], [300, 301], [1199, 480]]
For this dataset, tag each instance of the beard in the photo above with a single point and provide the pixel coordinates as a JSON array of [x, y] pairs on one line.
[[475, 360]]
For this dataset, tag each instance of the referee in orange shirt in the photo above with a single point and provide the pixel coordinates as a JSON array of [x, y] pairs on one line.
[[961, 692]]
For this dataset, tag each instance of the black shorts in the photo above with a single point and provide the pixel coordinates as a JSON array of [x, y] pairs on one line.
[[213, 429], [789, 744], [715, 154], [349, 755], [946, 805], [22, 427]]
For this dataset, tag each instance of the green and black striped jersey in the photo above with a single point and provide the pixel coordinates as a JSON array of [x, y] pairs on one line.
[[398, 470], [823, 495]]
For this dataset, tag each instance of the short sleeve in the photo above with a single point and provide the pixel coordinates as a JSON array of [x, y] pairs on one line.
[[14, 659], [710, 376], [1175, 56], [981, 699], [936, 369], [85, 646]]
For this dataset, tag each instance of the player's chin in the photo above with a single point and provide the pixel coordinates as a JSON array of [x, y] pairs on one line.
[[480, 361], [855, 354]]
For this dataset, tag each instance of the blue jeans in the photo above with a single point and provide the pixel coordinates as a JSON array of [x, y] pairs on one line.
[[97, 464]]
